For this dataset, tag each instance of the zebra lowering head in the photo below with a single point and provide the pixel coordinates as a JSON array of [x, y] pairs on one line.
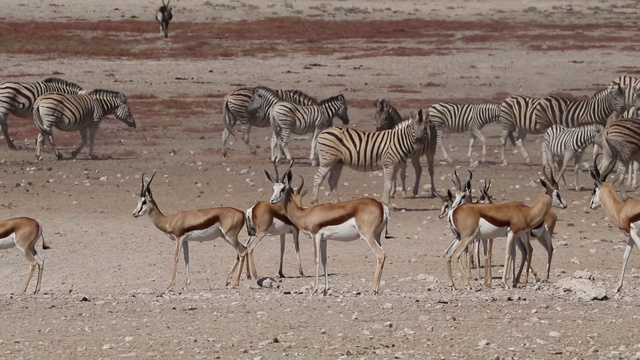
[[117, 104], [164, 16]]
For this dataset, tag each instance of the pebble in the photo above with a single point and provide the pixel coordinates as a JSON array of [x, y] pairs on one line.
[[554, 334]]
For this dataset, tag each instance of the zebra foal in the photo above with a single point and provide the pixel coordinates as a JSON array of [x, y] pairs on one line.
[[461, 118], [367, 151], [80, 112], [18, 98], [561, 144], [288, 117], [234, 110]]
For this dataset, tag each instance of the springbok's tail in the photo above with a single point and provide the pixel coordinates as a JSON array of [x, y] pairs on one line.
[[44, 244]]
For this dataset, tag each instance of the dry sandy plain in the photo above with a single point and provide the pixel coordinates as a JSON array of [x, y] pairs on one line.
[[105, 274]]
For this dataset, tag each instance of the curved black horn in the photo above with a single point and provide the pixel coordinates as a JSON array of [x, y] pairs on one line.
[[285, 173], [469, 180], [275, 166], [442, 197], [298, 189], [456, 180], [142, 187], [609, 169]]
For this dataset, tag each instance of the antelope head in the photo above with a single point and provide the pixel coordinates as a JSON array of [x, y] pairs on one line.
[[145, 197], [551, 185], [599, 180], [280, 184], [484, 197]]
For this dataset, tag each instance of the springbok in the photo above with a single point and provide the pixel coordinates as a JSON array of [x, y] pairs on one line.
[[477, 221], [24, 233], [625, 214], [265, 218], [164, 16], [194, 225], [363, 218]]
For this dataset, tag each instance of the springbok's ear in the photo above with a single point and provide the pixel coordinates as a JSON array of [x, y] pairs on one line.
[[449, 195], [266, 173]]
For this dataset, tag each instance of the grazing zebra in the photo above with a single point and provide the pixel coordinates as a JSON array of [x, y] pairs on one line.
[[367, 151], [385, 116], [234, 109], [164, 16], [79, 112], [288, 117], [463, 117], [620, 141], [561, 144], [535, 115], [17, 98]]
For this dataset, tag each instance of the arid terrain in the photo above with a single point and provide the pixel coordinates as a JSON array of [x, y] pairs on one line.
[[103, 288]]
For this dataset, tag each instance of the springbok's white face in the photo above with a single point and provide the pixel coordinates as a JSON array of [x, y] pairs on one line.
[[142, 208], [278, 192], [595, 198]]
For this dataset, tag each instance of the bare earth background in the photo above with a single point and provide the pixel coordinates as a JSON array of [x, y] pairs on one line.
[[102, 290]]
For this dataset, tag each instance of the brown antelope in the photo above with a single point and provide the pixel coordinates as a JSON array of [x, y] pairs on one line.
[[625, 214], [265, 219], [477, 221], [24, 233], [363, 218], [194, 225], [164, 16]]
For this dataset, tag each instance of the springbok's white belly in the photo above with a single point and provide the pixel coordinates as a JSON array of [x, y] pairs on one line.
[[347, 231], [210, 233], [8, 242], [278, 228], [490, 231]]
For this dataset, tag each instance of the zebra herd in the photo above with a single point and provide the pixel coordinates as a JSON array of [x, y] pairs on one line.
[[63, 105]]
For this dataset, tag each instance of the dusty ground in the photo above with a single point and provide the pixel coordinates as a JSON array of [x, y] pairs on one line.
[[102, 293]]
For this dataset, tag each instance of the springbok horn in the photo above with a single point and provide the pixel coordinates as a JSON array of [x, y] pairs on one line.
[[298, 189], [442, 197], [609, 169], [470, 178], [285, 173], [142, 188], [456, 180], [275, 166]]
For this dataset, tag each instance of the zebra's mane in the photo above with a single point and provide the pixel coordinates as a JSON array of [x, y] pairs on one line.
[[103, 93], [62, 82], [331, 99]]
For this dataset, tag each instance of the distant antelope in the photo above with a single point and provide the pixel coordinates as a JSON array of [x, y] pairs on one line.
[[164, 16]]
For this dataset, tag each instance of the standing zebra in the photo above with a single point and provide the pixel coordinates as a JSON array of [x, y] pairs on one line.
[[620, 141], [561, 144], [17, 98], [387, 117], [288, 117], [463, 117], [631, 86], [367, 151], [234, 109], [78, 113], [535, 115]]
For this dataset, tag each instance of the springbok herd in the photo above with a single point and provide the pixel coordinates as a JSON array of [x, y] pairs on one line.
[[608, 120]]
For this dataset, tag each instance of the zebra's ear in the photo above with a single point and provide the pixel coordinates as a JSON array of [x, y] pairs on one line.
[[377, 104], [420, 116], [341, 98]]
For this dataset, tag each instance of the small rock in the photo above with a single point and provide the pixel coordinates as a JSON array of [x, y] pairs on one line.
[[554, 334]]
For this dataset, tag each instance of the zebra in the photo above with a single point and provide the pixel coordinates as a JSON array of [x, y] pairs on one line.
[[386, 115], [561, 144], [631, 86], [17, 98], [234, 109], [620, 141], [69, 112], [287, 117], [535, 115], [367, 151], [164, 16], [463, 117]]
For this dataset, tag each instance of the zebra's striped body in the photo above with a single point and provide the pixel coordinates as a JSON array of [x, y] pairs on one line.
[[620, 141], [17, 98], [235, 109], [535, 115], [387, 117], [561, 144], [463, 117], [82, 112], [288, 117], [367, 151]]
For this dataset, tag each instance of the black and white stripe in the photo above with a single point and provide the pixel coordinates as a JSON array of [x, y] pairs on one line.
[[387, 117], [461, 118], [17, 98], [81, 112], [561, 144], [287, 118], [536, 115], [367, 151], [235, 109], [620, 142]]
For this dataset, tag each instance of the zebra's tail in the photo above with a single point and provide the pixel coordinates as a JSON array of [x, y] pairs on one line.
[[229, 119], [511, 138], [621, 147]]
